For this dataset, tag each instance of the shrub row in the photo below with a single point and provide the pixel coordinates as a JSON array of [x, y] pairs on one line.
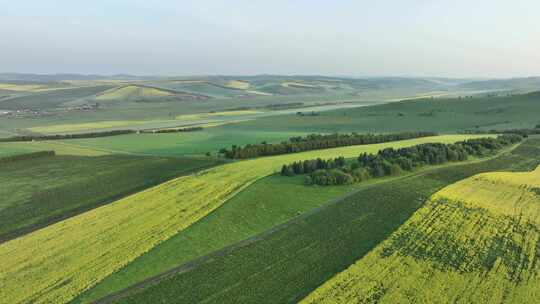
[[391, 161], [190, 129], [315, 142], [66, 136]]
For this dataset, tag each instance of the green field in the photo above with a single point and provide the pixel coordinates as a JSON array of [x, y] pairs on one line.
[[265, 204], [96, 243], [268, 202], [184, 143], [285, 265], [61, 148], [448, 116], [162, 99], [475, 241], [41, 191], [163, 217], [52, 98], [438, 115]]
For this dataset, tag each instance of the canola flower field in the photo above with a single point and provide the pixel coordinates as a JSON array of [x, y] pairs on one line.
[[55, 264], [475, 241]]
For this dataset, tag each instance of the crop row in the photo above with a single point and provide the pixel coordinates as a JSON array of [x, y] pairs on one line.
[[286, 264], [476, 241], [58, 262]]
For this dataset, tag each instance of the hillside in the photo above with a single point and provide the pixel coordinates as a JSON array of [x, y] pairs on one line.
[[96, 243], [284, 264], [475, 241]]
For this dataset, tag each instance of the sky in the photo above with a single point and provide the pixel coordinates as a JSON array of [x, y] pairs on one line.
[[451, 38]]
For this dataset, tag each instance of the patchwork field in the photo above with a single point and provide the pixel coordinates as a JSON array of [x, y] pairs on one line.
[[60, 261], [287, 263], [268, 202], [52, 98], [175, 144], [439, 115], [475, 241], [38, 192]]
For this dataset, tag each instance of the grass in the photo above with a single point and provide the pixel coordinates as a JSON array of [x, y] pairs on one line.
[[52, 98], [438, 115], [22, 87], [41, 191], [72, 128], [216, 114], [475, 241], [287, 263], [61, 148], [62, 260], [132, 91], [174, 144]]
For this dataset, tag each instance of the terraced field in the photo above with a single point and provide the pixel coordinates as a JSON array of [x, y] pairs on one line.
[[475, 241], [285, 264], [58, 262]]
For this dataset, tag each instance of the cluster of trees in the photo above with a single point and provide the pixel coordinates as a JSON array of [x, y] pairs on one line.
[[14, 158], [66, 136], [189, 129], [312, 165], [391, 161], [315, 142]]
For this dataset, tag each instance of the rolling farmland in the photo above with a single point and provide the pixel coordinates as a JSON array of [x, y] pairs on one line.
[[475, 241], [38, 192], [263, 152], [96, 243], [286, 263]]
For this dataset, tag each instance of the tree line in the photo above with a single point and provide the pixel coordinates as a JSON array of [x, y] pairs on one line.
[[390, 161], [188, 129], [315, 142], [93, 134], [66, 136]]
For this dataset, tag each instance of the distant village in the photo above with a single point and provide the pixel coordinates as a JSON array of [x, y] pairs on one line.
[[36, 113]]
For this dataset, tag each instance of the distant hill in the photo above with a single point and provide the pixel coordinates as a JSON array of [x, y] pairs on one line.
[[23, 77], [529, 83]]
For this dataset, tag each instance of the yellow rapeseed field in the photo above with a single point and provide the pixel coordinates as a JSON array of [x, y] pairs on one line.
[[475, 241], [238, 84], [54, 264], [132, 91]]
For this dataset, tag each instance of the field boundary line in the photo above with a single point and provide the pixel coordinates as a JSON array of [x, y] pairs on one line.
[[183, 268]]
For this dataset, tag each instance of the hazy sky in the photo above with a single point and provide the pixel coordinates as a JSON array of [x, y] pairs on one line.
[[486, 38]]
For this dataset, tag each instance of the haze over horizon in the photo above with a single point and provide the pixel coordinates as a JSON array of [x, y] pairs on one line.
[[488, 39]]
